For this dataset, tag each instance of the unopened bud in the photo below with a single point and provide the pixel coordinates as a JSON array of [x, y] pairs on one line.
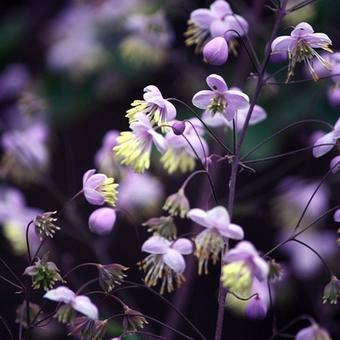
[[215, 52]]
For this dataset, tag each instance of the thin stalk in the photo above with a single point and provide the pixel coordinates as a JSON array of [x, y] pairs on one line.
[[28, 243]]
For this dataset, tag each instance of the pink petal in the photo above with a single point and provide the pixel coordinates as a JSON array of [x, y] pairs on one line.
[[233, 231], [219, 28], [102, 220], [282, 44], [319, 151], [159, 141], [214, 120], [218, 217], [170, 110], [199, 216], [203, 98], [258, 115], [238, 99], [60, 294], [93, 196], [261, 268], [183, 245], [174, 260], [335, 164], [95, 181], [87, 175], [84, 305], [156, 245], [220, 8], [337, 216], [217, 83], [202, 17]]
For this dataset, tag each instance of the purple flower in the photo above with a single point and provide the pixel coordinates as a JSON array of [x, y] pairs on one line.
[[165, 262], [80, 303], [154, 106], [313, 332], [329, 138], [215, 52], [134, 147], [13, 80], [210, 242], [102, 220], [301, 45], [257, 307], [246, 252], [335, 164], [220, 99], [98, 188]]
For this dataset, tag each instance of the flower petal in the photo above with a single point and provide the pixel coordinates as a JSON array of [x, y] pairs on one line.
[[261, 268], [183, 245], [202, 99], [335, 164], [170, 110], [218, 217], [233, 231], [319, 151], [102, 220], [95, 181], [282, 44], [93, 196], [220, 8], [337, 216], [60, 294], [159, 140], [87, 175], [156, 245], [84, 305], [217, 83], [174, 260], [202, 17], [199, 216]]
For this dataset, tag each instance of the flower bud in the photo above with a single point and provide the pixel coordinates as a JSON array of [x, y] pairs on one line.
[[313, 332], [102, 220], [133, 320], [215, 52], [331, 292], [178, 128], [333, 95]]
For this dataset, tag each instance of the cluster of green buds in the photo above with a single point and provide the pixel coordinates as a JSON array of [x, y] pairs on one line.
[[45, 224], [44, 274], [111, 275]]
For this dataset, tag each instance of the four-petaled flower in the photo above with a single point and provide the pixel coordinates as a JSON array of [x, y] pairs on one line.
[[313, 332], [166, 261], [300, 46], [220, 99], [99, 189], [134, 147], [210, 242], [154, 106], [80, 303]]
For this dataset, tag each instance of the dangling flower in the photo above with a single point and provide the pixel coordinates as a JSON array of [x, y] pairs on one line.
[[163, 226], [89, 329], [102, 220], [177, 204], [215, 52], [154, 106], [300, 46], [210, 242], [165, 262], [73, 302], [98, 188], [257, 307], [111, 275], [331, 292], [135, 146], [220, 99], [44, 224], [133, 320], [183, 150], [329, 139], [313, 332]]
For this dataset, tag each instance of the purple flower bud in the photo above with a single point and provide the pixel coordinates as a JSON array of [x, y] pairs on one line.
[[178, 127], [334, 96], [215, 52], [102, 220], [256, 309]]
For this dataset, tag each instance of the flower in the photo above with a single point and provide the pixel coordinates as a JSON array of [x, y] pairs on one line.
[[331, 292], [220, 99], [333, 95], [184, 149], [178, 127], [257, 307], [106, 161], [246, 253], [79, 303], [134, 147], [44, 274], [165, 262], [210, 242], [177, 204], [313, 332], [140, 194], [89, 329], [335, 164], [215, 52], [15, 221], [133, 320], [218, 21], [154, 106], [111, 275], [163, 226], [329, 139], [98, 188], [102, 220], [44, 224], [300, 46]]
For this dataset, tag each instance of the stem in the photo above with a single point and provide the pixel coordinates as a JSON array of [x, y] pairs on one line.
[[28, 243], [235, 164], [80, 266], [8, 329], [10, 282]]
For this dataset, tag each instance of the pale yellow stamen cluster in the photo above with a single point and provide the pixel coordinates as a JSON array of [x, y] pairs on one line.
[[174, 160], [156, 269], [110, 192], [195, 35]]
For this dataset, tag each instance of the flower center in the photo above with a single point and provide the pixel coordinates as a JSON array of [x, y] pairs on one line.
[[218, 104]]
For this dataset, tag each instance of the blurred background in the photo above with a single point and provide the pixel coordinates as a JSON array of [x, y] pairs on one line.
[[68, 72]]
